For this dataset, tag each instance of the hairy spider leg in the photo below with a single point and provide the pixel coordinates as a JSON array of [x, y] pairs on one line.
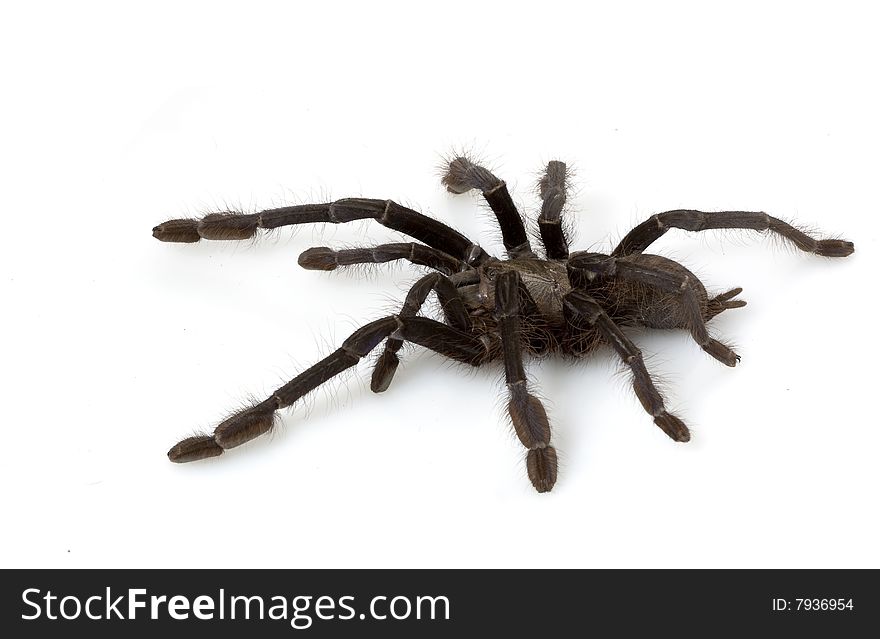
[[453, 309], [643, 235], [462, 175], [259, 419], [526, 411], [579, 305], [552, 188], [322, 258], [236, 226], [682, 285]]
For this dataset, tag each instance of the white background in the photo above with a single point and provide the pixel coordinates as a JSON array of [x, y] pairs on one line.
[[115, 345]]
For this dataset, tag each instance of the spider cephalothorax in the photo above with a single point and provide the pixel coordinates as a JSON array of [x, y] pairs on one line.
[[498, 309]]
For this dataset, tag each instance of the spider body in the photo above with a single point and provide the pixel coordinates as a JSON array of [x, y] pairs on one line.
[[545, 280], [559, 303]]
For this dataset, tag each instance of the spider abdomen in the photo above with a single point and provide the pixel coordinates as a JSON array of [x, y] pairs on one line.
[[644, 305]]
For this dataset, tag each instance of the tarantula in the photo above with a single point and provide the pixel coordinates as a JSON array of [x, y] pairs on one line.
[[567, 303]]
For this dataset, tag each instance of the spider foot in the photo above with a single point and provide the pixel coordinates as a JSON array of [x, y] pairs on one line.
[[541, 465], [177, 231], [194, 449], [462, 175], [234, 431], [318, 258], [834, 248], [721, 352], [384, 371], [673, 426]]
